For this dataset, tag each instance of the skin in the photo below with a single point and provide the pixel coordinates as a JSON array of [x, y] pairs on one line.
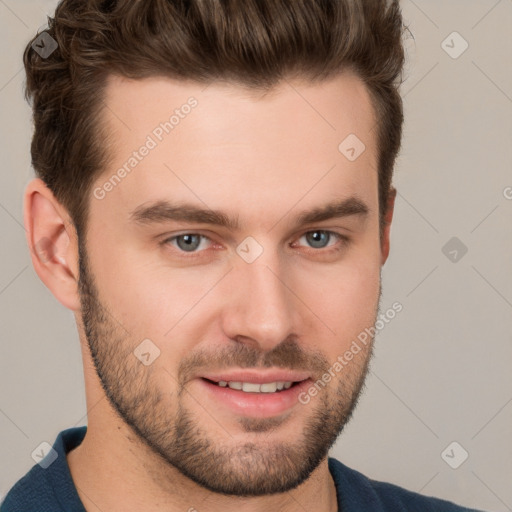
[[265, 159]]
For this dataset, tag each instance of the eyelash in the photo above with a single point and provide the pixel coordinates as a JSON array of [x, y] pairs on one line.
[[343, 242]]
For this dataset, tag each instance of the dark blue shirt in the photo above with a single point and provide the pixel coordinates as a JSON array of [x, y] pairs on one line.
[[51, 489]]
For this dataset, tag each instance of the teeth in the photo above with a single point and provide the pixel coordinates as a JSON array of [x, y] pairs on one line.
[[269, 387], [251, 387]]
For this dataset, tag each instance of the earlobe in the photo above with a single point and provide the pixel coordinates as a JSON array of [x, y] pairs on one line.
[[51, 237], [388, 217]]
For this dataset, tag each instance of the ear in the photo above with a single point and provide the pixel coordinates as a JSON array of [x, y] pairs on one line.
[[53, 243], [388, 217]]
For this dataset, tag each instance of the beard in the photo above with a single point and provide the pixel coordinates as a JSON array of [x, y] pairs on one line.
[[161, 420]]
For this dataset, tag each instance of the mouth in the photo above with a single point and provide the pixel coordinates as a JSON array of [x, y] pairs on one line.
[[254, 387], [252, 395]]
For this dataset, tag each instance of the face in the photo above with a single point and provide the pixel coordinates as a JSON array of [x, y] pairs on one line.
[[266, 285]]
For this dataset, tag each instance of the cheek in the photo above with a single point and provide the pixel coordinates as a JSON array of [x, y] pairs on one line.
[[344, 297], [148, 299]]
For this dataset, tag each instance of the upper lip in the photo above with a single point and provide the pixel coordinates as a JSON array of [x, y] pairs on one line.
[[256, 376]]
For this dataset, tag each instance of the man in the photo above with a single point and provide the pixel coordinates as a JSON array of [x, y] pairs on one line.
[[214, 204]]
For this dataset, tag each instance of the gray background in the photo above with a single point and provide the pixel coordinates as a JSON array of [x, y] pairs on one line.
[[442, 367]]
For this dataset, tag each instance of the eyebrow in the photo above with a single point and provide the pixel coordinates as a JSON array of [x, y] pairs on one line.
[[163, 210]]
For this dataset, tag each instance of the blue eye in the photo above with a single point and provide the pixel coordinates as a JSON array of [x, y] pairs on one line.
[[194, 243], [318, 239], [187, 242]]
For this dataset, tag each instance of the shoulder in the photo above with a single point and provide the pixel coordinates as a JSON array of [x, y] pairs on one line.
[[355, 490], [32, 492], [48, 485]]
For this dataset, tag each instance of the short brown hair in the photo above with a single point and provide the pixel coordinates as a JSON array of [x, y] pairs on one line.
[[254, 43]]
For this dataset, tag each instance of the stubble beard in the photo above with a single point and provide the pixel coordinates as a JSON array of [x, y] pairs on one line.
[[244, 469]]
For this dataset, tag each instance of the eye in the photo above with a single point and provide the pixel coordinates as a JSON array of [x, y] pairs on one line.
[[194, 243], [187, 242], [319, 239]]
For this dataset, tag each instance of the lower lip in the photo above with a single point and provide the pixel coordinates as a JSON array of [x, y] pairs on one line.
[[255, 405]]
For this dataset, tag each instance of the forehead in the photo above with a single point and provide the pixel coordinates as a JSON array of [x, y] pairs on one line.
[[225, 143], [338, 104]]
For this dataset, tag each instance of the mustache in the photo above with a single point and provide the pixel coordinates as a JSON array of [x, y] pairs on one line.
[[287, 355]]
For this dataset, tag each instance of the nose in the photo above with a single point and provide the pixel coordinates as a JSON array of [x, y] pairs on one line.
[[261, 309]]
